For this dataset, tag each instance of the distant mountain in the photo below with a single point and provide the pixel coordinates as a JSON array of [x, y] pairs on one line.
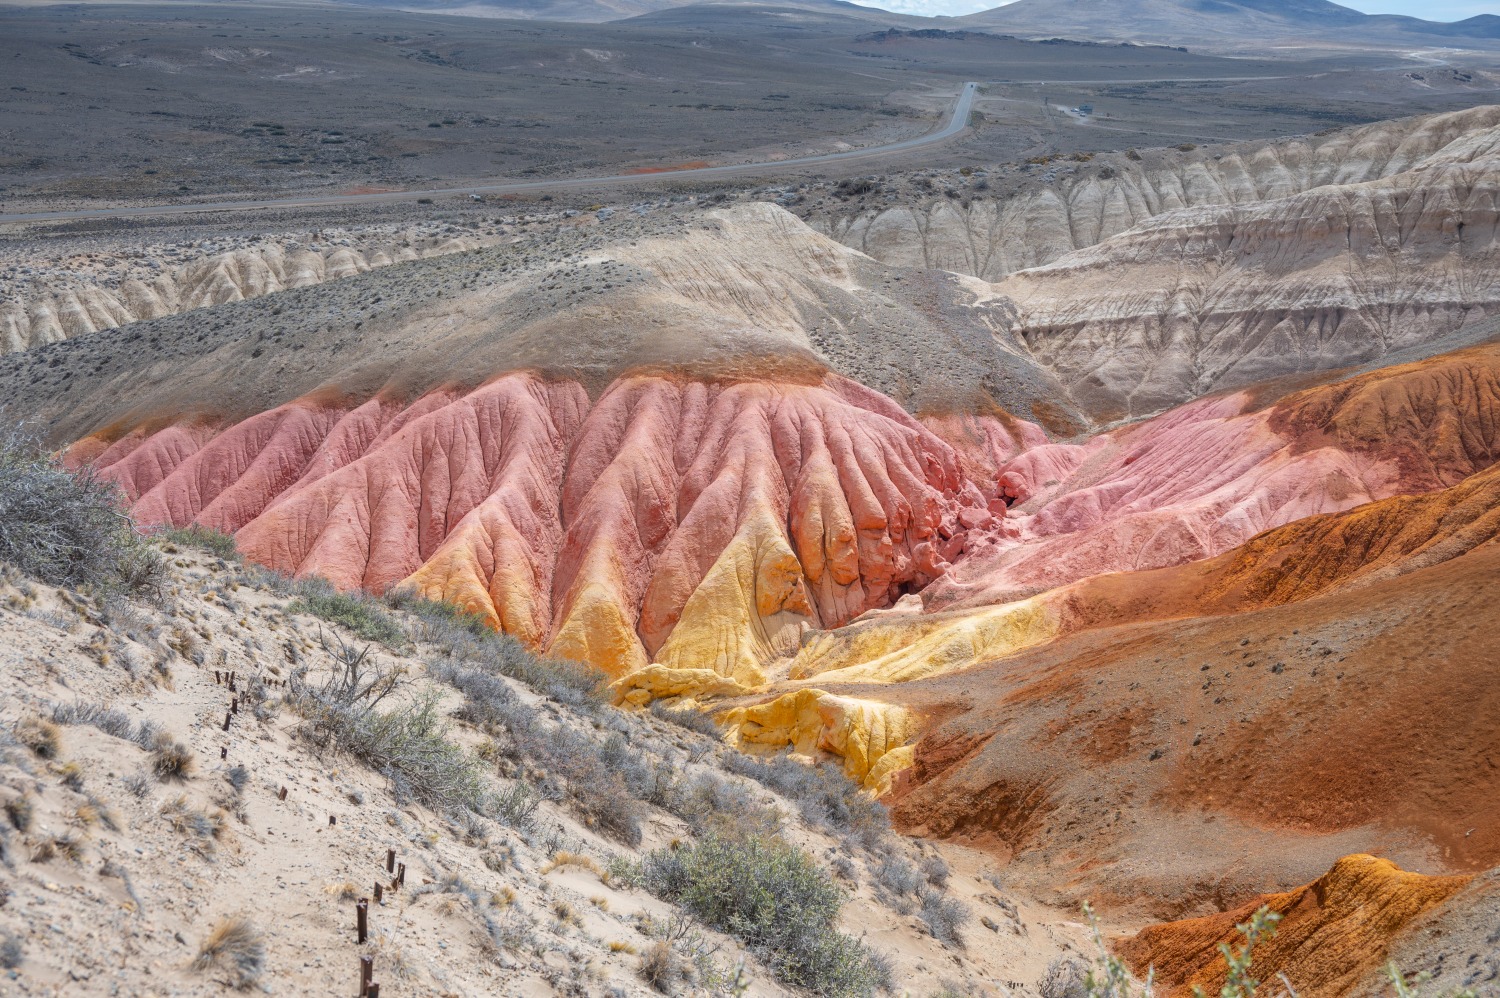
[[594, 11], [578, 11], [805, 13], [1221, 24], [1478, 26]]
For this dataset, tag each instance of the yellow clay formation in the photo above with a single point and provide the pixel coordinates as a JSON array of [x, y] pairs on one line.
[[660, 682], [903, 647], [748, 610], [597, 632], [479, 550], [870, 737]]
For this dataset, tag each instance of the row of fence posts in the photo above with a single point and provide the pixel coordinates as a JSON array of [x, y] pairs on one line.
[[368, 986]]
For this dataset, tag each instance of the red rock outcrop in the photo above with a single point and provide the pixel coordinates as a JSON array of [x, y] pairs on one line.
[[1331, 932]]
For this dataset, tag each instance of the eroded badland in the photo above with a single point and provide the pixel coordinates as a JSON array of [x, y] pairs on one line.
[[818, 579]]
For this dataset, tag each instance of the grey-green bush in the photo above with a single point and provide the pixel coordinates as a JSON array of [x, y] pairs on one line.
[[357, 611], [68, 528], [775, 898], [215, 542], [943, 915], [408, 745]]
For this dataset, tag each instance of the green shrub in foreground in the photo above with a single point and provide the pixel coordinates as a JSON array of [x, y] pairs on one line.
[[357, 611], [215, 542], [775, 898], [408, 744]]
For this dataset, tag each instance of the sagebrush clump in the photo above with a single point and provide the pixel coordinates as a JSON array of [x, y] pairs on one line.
[[69, 528], [776, 899], [359, 612], [215, 542]]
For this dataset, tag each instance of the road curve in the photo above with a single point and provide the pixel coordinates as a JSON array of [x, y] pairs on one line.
[[957, 122]]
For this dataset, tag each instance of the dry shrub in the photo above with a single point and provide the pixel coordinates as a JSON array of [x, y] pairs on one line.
[[660, 967], [68, 528], [1066, 977], [43, 737], [170, 759], [236, 947], [773, 897], [944, 916]]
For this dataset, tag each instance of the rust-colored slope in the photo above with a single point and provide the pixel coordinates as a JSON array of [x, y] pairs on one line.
[[1332, 931], [1380, 539], [1297, 561], [1151, 763], [1437, 419]]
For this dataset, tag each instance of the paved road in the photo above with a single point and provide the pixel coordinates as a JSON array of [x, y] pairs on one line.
[[956, 123]]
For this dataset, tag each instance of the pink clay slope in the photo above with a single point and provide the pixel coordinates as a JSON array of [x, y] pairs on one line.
[[705, 524], [1207, 476], [587, 529]]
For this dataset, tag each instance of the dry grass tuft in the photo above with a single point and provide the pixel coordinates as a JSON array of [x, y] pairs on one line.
[[235, 946], [563, 858], [68, 847], [20, 811], [71, 775], [170, 759], [390, 954], [43, 737], [660, 967], [205, 827]]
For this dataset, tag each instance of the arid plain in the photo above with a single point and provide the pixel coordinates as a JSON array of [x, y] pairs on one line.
[[823, 578]]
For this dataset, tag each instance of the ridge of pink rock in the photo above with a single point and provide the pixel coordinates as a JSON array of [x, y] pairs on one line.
[[230, 479], [374, 521], [590, 525], [139, 462], [1207, 476], [985, 442], [702, 524], [665, 475]]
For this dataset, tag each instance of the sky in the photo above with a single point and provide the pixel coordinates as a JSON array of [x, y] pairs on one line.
[[1432, 10]]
